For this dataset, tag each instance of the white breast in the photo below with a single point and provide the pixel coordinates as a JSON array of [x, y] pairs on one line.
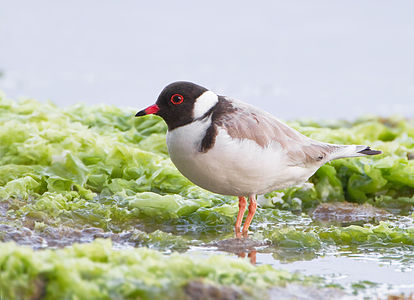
[[233, 166]]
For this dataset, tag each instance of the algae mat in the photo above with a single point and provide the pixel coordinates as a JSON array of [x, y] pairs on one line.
[[91, 207]]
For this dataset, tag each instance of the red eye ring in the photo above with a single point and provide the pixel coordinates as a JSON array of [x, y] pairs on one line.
[[177, 99]]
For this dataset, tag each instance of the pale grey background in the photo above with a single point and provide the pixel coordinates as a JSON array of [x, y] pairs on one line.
[[296, 59]]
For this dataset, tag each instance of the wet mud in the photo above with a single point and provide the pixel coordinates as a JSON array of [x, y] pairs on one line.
[[346, 213]]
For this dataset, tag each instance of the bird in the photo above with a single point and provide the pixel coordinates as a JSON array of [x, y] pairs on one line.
[[232, 148]]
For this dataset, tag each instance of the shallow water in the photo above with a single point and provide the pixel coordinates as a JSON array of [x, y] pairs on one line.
[[369, 273]]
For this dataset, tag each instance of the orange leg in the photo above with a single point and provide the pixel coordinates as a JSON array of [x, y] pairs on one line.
[[252, 210], [242, 209]]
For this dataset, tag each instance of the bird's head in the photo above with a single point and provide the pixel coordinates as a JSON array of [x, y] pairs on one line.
[[180, 103]]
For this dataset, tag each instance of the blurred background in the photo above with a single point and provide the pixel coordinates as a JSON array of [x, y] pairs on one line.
[[296, 59]]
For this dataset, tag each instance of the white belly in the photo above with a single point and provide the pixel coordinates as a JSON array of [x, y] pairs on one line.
[[232, 167]]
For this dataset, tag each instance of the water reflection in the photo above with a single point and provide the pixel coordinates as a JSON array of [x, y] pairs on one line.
[[251, 255], [241, 246]]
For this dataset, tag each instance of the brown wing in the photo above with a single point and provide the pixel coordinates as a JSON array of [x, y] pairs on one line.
[[243, 121]]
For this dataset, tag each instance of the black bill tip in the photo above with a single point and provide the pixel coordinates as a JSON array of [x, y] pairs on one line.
[[141, 113]]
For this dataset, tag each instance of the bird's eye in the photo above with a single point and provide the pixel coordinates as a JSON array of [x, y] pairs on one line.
[[177, 99]]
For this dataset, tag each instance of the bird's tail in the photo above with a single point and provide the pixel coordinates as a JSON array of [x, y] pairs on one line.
[[353, 151]]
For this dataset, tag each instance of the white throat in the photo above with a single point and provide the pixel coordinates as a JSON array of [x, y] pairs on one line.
[[203, 104]]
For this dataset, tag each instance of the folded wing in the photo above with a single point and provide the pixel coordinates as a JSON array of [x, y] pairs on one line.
[[243, 121]]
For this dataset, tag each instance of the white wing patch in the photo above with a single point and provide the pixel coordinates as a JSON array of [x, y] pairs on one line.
[[203, 104]]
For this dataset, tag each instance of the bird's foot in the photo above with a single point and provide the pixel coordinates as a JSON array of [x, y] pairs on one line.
[[240, 234]]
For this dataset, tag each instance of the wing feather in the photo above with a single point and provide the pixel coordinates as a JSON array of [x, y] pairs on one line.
[[243, 121]]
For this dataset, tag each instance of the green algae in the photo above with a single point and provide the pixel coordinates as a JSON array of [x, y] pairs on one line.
[[97, 271], [314, 237], [97, 164]]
